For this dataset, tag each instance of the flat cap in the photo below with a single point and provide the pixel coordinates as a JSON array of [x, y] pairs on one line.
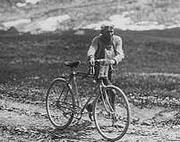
[[107, 27]]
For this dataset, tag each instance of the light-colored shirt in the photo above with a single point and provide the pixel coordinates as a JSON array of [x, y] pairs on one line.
[[106, 51]]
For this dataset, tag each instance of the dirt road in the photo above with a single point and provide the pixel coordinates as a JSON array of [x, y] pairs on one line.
[[28, 122]]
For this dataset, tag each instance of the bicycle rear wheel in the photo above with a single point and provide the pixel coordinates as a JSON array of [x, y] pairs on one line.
[[60, 103], [112, 121]]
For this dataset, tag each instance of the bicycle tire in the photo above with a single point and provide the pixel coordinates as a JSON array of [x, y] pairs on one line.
[[112, 125], [60, 103]]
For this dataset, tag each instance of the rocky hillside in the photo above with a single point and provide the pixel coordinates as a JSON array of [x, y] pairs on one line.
[[30, 15]]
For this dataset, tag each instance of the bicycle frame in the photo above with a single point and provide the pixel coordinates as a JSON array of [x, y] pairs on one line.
[[73, 85]]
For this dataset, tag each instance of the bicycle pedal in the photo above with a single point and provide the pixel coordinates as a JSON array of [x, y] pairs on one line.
[[90, 116]]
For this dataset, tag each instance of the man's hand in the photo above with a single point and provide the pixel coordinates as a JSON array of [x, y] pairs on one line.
[[92, 61], [112, 62], [107, 62]]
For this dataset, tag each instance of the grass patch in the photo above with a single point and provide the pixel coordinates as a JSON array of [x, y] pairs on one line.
[[32, 61]]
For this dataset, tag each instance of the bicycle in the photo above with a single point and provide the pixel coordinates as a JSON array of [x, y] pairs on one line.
[[63, 105]]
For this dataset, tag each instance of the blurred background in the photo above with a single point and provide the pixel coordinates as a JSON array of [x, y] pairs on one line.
[[37, 16]]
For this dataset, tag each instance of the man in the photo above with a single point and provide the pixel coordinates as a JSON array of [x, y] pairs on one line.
[[105, 46]]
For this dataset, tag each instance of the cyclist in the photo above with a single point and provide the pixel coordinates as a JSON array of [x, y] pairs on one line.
[[105, 46]]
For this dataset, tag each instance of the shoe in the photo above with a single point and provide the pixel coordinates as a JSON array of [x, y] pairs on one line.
[[89, 108]]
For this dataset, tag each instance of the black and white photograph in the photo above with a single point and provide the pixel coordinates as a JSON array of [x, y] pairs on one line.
[[89, 70]]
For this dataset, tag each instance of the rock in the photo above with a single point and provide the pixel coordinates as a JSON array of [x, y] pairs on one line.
[[135, 120], [79, 32], [66, 47], [146, 123]]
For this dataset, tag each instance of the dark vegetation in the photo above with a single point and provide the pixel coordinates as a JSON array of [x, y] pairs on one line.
[[150, 70]]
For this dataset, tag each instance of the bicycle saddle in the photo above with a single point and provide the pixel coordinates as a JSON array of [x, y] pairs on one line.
[[72, 64]]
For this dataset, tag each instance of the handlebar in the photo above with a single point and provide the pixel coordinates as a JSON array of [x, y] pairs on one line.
[[103, 62], [100, 60]]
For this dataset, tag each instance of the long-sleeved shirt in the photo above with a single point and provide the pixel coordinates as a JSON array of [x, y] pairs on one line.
[[100, 50]]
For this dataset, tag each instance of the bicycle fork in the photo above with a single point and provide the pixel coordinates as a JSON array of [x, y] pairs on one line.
[[105, 99]]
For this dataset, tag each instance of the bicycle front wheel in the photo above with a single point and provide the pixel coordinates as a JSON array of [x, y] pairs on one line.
[[60, 103], [111, 113]]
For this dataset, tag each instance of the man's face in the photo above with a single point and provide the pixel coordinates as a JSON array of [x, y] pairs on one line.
[[108, 33]]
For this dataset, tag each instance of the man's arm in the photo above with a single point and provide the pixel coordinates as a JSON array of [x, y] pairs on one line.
[[92, 49], [119, 51]]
